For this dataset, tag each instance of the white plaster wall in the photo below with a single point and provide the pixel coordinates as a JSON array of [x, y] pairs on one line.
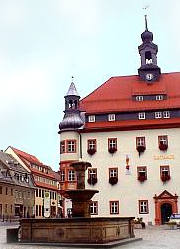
[[11, 152], [70, 135], [129, 190]]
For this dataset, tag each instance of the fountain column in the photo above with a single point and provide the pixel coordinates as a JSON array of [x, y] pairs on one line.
[[80, 197]]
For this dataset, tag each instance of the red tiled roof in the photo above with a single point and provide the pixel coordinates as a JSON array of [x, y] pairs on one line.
[[45, 185], [26, 156], [115, 95], [30, 160], [134, 124]]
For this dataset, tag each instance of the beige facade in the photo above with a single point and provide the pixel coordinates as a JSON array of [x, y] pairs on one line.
[[16, 189], [15, 201], [45, 181]]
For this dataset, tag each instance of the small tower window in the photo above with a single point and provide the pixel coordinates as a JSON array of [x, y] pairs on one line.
[[70, 104], [75, 104], [148, 57]]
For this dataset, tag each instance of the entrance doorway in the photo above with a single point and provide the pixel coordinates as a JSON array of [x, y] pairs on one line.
[[165, 205], [166, 211]]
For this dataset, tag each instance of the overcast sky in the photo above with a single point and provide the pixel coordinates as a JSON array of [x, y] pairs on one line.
[[44, 42]]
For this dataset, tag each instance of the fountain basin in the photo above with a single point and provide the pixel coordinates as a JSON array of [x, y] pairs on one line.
[[80, 194], [77, 230], [81, 199]]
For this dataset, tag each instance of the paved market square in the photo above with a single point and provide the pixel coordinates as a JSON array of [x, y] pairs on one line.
[[156, 237]]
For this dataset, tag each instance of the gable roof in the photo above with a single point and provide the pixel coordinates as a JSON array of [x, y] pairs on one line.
[[30, 160], [26, 156], [115, 95]]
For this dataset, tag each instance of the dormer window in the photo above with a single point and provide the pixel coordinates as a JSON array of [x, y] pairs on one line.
[[111, 117], [158, 114], [166, 114], [148, 57], [139, 98], [142, 115], [91, 118], [159, 97]]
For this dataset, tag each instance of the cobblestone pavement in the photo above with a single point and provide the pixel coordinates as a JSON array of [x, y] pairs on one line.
[[153, 238]]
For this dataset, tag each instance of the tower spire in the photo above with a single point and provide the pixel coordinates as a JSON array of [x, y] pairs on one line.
[[149, 71], [146, 26]]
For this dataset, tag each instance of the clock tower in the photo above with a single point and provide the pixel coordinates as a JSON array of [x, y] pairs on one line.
[[149, 71]]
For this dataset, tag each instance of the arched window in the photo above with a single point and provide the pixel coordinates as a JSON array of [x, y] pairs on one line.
[[148, 57], [75, 104], [70, 104]]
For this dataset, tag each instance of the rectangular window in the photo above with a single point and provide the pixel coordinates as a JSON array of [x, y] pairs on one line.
[[62, 175], [94, 207], [111, 117], [11, 209], [71, 146], [142, 173], [159, 97], [36, 210], [114, 207], [39, 210], [92, 176], [39, 192], [112, 143], [36, 192], [11, 192], [91, 118], [142, 115], [1, 190], [140, 141], [165, 173], [139, 98], [92, 173], [113, 172], [158, 114], [6, 208], [62, 147], [91, 144], [166, 114], [71, 175], [143, 207], [6, 191], [163, 140]]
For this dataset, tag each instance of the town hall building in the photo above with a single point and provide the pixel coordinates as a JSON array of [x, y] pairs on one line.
[[129, 130]]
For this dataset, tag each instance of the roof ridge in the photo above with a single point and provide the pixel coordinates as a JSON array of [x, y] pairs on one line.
[[96, 89], [31, 156]]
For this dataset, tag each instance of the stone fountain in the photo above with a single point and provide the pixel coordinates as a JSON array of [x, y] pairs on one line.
[[81, 229], [80, 197]]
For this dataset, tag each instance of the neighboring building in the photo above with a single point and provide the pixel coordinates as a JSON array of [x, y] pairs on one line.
[[16, 189], [129, 130], [45, 180]]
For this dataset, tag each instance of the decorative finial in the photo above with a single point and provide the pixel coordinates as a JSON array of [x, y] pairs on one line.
[[145, 10], [72, 78], [146, 27]]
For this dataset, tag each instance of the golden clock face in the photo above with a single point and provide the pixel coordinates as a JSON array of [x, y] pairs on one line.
[[149, 76]]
